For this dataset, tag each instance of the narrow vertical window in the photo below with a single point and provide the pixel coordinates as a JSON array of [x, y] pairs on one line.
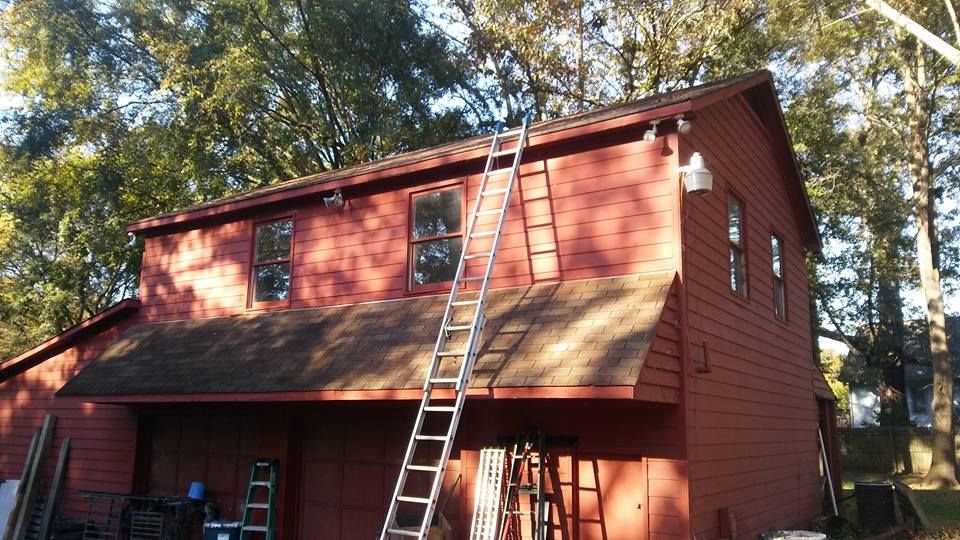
[[738, 267], [779, 301], [436, 238], [270, 272]]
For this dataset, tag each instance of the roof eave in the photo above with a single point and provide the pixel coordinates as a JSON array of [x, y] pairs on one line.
[[64, 340], [408, 394], [478, 151]]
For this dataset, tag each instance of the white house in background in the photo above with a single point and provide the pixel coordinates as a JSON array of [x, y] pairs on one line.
[[918, 378], [864, 406]]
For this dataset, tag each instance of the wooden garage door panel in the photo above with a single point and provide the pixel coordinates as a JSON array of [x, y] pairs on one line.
[[611, 496], [222, 473], [323, 439], [192, 468], [322, 483], [364, 442], [360, 524], [363, 485], [319, 523]]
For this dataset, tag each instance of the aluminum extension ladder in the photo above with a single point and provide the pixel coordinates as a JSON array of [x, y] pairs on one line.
[[489, 498], [473, 299]]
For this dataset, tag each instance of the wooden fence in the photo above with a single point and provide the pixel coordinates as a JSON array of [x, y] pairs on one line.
[[887, 449]]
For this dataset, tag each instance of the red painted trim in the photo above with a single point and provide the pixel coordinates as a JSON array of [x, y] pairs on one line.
[[59, 343], [477, 151], [519, 392], [731, 90]]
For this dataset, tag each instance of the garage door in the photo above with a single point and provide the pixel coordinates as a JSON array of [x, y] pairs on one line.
[[217, 450], [350, 462]]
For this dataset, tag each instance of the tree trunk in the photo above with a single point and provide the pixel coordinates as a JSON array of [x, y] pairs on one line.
[[943, 467]]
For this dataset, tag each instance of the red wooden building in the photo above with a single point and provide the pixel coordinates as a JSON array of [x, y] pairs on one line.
[[664, 336]]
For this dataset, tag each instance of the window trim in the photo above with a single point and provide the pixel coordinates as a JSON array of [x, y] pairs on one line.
[[252, 304], [780, 280], [743, 294], [410, 288]]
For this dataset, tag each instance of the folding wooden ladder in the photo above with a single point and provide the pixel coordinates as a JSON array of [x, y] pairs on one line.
[[463, 314], [260, 484]]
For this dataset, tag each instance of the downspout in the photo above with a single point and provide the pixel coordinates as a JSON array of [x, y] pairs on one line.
[[684, 331]]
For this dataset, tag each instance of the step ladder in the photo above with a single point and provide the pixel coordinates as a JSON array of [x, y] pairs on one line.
[[526, 477], [464, 315], [261, 499], [489, 497]]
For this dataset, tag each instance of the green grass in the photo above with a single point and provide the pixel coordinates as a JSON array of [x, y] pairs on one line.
[[942, 506]]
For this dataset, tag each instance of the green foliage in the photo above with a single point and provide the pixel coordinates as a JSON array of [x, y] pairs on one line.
[[133, 109], [831, 365]]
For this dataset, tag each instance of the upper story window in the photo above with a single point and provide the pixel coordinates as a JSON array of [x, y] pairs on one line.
[[738, 266], [436, 237], [270, 272], [779, 300]]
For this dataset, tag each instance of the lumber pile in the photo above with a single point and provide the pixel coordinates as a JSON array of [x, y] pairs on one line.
[[32, 515]]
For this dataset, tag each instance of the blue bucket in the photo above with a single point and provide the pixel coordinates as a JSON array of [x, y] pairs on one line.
[[196, 491]]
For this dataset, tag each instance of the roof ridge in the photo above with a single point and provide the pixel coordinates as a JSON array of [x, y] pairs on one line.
[[645, 104]]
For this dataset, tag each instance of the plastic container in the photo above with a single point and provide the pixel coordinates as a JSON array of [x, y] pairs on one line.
[[196, 491], [875, 503], [222, 530]]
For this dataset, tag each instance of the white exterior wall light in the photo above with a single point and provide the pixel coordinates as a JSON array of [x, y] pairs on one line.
[[650, 135], [335, 200], [683, 125], [697, 179]]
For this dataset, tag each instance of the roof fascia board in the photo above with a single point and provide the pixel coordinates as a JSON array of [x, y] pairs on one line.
[[477, 152], [780, 137], [62, 341], [519, 392]]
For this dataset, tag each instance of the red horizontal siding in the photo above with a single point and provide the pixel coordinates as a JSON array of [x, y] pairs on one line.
[[752, 418], [601, 212], [102, 437]]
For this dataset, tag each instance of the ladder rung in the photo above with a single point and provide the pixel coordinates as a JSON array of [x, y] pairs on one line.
[[423, 468], [439, 438], [464, 302], [258, 505], [477, 255], [263, 483], [460, 328], [490, 192], [507, 152], [439, 408], [442, 380], [472, 278], [502, 170], [255, 528], [482, 234], [447, 354], [491, 212], [418, 500], [402, 532]]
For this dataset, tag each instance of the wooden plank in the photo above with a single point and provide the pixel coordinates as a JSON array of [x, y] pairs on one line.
[[21, 487], [909, 505], [32, 481], [48, 510]]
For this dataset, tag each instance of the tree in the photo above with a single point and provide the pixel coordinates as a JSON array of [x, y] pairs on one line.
[[132, 109]]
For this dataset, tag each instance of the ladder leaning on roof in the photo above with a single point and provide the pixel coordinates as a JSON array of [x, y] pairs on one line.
[[457, 306]]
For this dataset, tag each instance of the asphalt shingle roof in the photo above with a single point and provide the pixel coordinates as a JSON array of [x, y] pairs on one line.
[[584, 333]]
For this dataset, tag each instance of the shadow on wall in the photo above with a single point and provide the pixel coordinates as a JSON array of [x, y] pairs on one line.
[[102, 436]]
